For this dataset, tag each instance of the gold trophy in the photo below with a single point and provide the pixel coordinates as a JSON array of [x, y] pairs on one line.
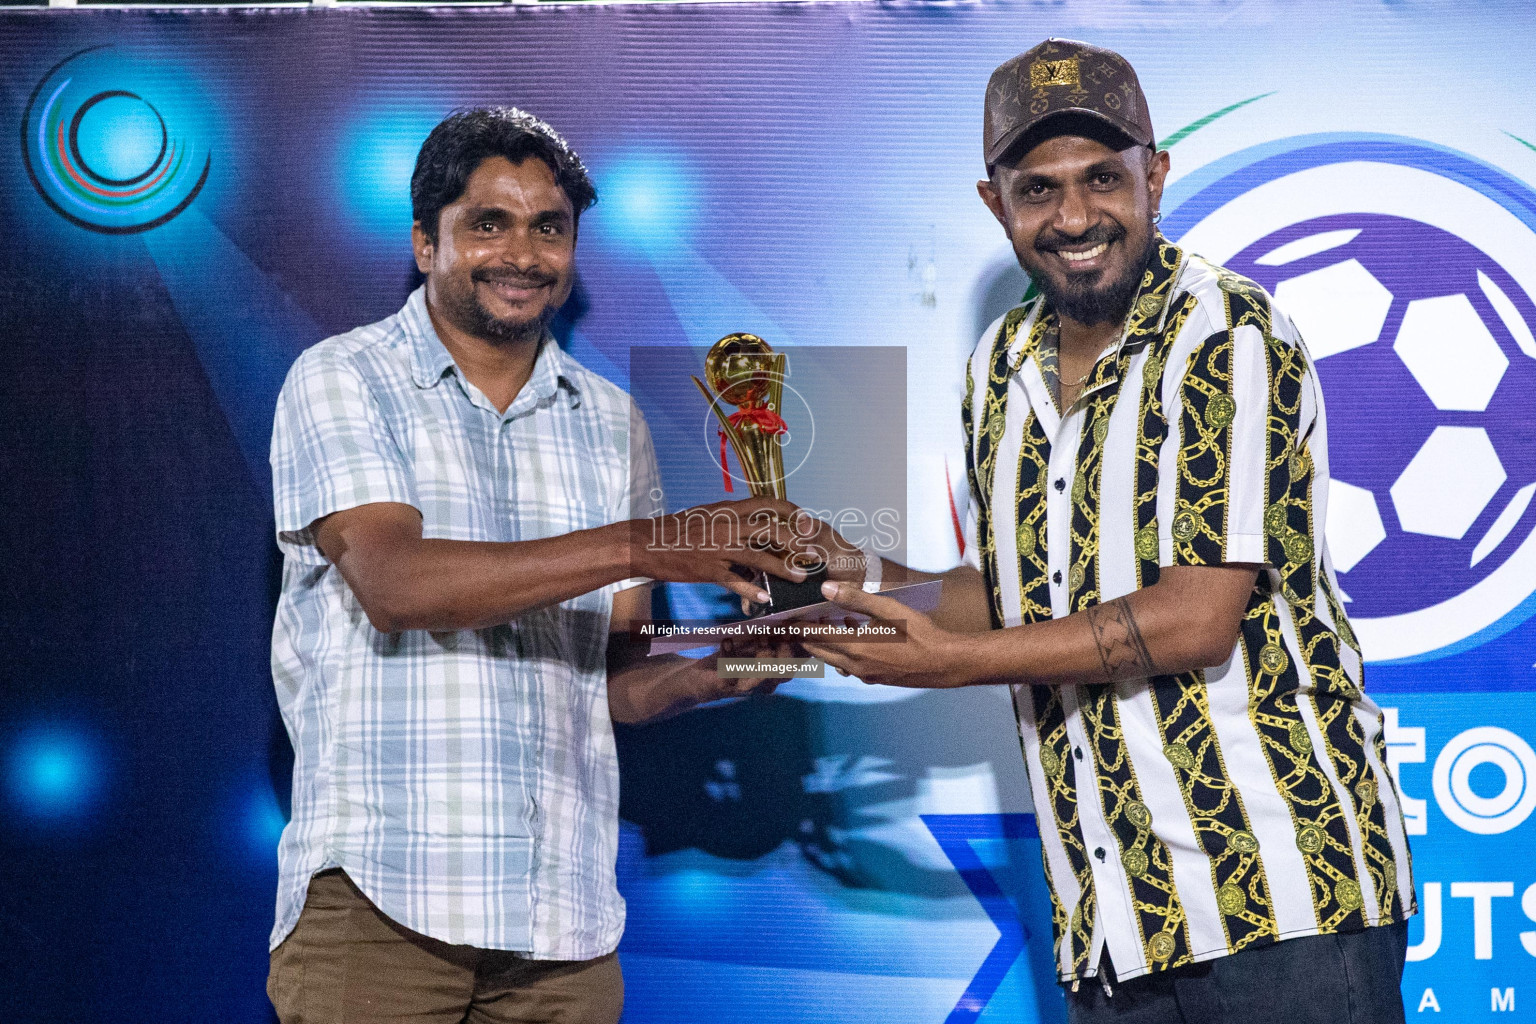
[[743, 371]]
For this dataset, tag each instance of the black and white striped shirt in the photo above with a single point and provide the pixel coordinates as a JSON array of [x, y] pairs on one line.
[[1184, 817]]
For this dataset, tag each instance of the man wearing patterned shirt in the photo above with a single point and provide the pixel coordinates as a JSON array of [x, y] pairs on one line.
[[464, 510], [1148, 462]]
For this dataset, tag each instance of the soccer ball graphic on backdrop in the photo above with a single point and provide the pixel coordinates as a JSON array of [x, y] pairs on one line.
[[1429, 391], [1413, 293]]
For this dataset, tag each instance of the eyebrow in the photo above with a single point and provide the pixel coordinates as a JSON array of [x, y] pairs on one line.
[[498, 213], [1105, 166], [479, 213]]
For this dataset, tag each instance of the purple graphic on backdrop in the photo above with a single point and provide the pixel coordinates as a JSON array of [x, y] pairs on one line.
[[1406, 267], [1433, 461]]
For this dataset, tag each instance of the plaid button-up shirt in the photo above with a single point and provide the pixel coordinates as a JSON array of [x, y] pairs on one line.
[[466, 780], [1184, 817]]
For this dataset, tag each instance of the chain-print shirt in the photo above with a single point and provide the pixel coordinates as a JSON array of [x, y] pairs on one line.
[[1184, 817]]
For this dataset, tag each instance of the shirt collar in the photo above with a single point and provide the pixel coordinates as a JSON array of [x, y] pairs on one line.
[[430, 359], [550, 377]]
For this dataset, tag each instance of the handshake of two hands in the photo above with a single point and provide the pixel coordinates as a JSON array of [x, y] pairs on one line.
[[731, 543]]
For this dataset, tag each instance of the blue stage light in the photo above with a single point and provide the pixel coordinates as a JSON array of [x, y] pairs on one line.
[[120, 137], [119, 143], [647, 200], [374, 165], [264, 822], [54, 772], [698, 890]]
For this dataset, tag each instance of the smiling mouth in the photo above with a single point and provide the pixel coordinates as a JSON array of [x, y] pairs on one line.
[[1085, 255], [516, 289]]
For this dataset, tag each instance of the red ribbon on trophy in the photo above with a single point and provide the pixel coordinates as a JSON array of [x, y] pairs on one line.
[[768, 424]]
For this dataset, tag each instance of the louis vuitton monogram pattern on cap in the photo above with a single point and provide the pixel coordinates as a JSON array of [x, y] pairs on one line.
[[1184, 817], [1062, 76]]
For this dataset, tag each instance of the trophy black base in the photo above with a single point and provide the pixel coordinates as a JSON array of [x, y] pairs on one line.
[[784, 595]]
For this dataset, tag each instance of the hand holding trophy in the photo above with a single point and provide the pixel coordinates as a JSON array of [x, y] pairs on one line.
[[743, 371]]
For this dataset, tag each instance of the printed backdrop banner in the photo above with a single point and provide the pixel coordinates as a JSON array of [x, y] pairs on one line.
[[192, 197]]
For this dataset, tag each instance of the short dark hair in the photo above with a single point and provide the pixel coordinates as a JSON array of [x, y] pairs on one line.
[[465, 138]]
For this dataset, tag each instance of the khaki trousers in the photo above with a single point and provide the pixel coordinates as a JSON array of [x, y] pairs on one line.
[[346, 963]]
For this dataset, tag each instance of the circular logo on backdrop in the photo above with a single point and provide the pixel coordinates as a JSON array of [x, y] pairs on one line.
[[106, 146], [1495, 748], [1410, 271]]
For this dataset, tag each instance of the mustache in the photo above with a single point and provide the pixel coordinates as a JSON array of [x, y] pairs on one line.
[[512, 277], [1102, 232]]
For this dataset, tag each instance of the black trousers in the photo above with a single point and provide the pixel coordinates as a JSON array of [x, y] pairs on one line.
[[1348, 978]]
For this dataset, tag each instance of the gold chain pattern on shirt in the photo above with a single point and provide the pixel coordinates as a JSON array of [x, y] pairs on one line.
[[1148, 864], [1032, 480], [982, 446], [1159, 913], [1145, 327], [1283, 672], [1151, 432], [1321, 832], [1061, 771], [1319, 811], [1215, 809]]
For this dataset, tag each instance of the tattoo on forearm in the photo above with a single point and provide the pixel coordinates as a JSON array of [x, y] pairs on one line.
[[1122, 651]]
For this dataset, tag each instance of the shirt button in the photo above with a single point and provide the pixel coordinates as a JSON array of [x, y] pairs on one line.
[[1079, 753], [1061, 485], [1056, 577], [1099, 852]]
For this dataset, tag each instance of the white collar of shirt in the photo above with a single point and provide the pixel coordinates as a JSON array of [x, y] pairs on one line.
[[430, 360]]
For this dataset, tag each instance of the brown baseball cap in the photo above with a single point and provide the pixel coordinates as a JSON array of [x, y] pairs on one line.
[[1062, 76]]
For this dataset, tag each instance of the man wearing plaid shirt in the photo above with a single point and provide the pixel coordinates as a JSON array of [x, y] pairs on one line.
[[465, 512]]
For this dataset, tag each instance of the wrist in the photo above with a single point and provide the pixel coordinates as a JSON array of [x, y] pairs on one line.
[[966, 658], [704, 682], [672, 685], [623, 548]]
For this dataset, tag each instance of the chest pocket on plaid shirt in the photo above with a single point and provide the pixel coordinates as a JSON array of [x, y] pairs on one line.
[[531, 478], [551, 488]]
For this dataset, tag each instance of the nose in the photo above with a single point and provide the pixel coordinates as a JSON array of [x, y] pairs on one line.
[[1073, 214], [518, 251]]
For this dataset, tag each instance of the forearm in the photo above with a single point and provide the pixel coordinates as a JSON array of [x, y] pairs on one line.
[[448, 584], [1162, 629], [642, 689]]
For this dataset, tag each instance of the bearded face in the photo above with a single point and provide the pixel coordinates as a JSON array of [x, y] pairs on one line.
[[1079, 214], [503, 260]]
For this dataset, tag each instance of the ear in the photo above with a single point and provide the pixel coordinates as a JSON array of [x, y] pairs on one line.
[[1157, 173], [421, 247], [994, 200]]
